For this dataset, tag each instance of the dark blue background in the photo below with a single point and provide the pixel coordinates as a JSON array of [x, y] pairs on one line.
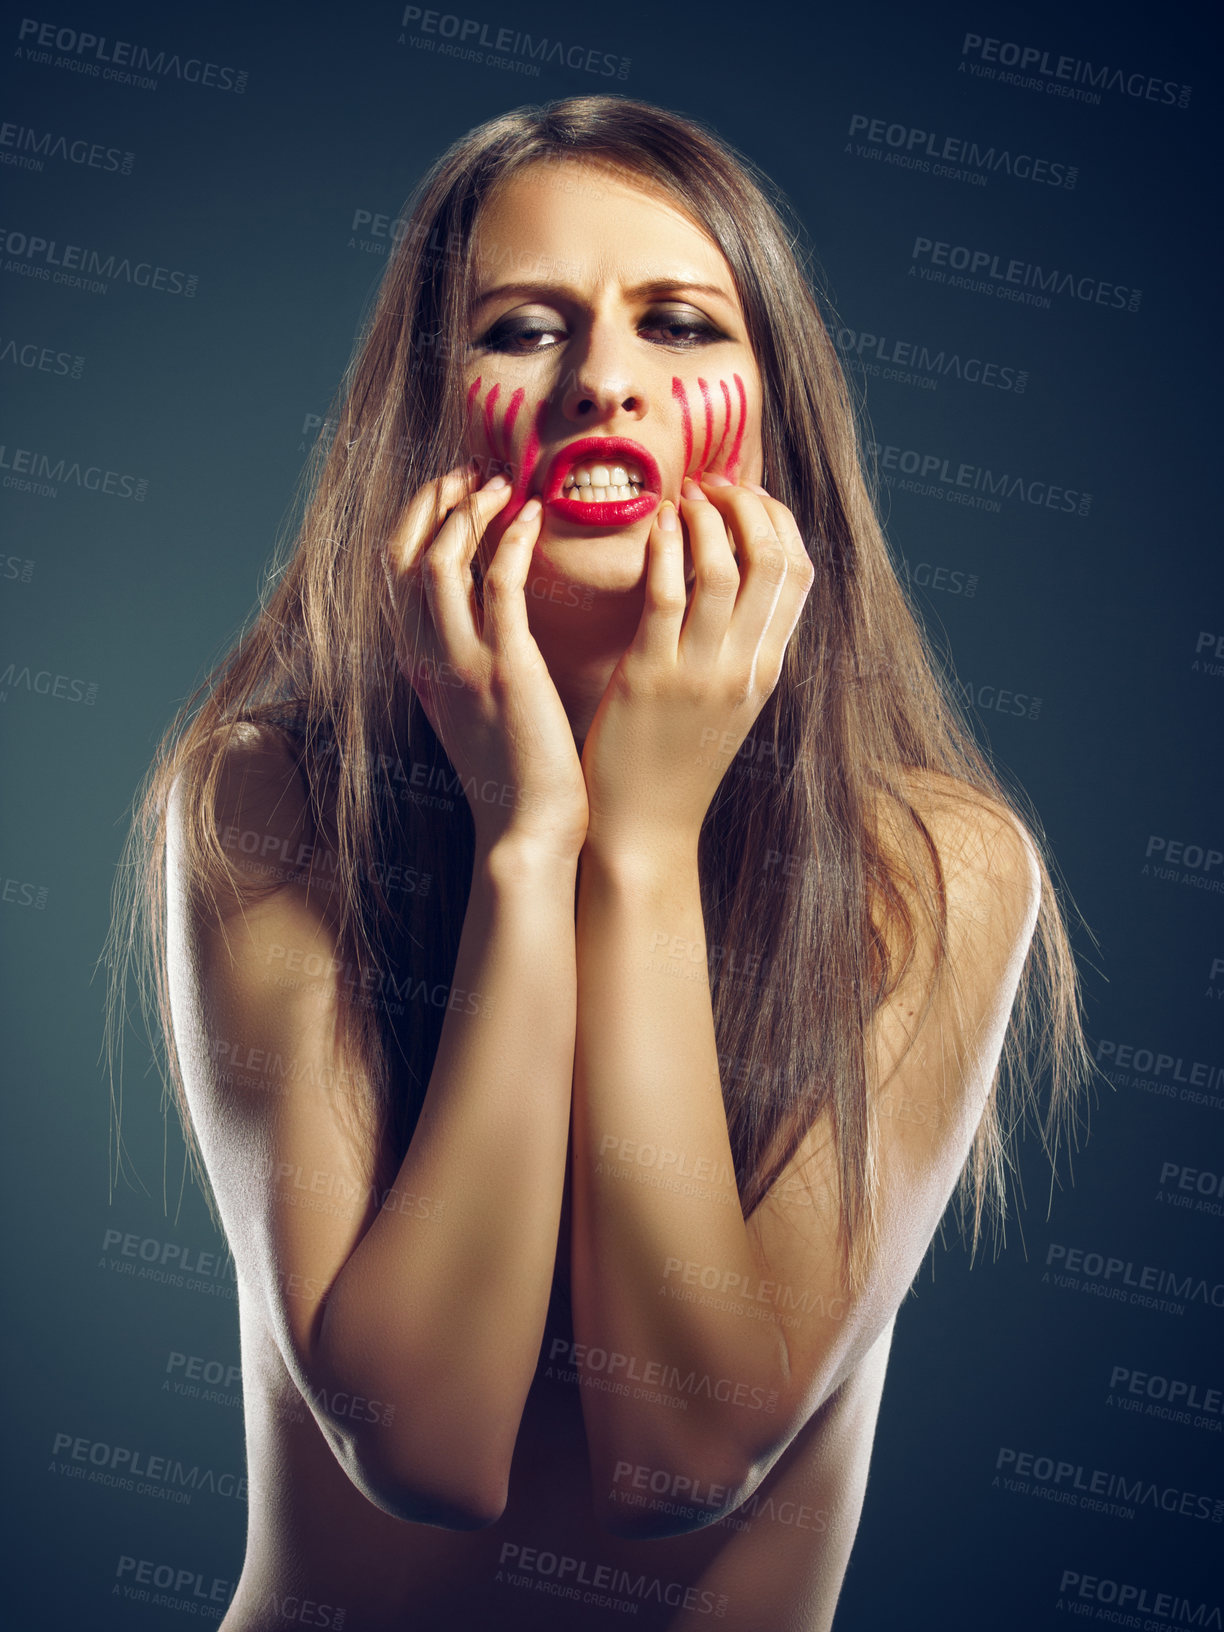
[[1108, 619]]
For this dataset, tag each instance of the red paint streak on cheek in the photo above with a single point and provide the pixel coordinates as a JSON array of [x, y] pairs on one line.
[[726, 396], [521, 482], [490, 405], [473, 393], [709, 419], [531, 458], [681, 396], [511, 414], [734, 457]]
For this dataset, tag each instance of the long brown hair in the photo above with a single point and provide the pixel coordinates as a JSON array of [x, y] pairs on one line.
[[798, 887]]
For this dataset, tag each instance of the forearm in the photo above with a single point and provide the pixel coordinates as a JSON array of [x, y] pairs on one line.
[[647, 1081], [443, 1316]]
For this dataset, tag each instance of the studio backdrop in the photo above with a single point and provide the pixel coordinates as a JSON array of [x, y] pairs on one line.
[[1015, 212]]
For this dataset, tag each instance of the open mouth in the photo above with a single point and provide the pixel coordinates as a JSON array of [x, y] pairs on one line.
[[603, 481], [597, 484]]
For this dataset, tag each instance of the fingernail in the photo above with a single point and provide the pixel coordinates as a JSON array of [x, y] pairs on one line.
[[691, 490], [714, 479], [753, 488], [667, 518], [495, 482], [530, 510]]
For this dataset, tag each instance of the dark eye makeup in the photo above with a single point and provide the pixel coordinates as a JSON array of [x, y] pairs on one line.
[[679, 330]]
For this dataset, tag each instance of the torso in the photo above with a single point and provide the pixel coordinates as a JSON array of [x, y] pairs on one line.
[[319, 1554]]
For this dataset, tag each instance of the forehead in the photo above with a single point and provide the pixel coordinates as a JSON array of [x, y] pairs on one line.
[[582, 223]]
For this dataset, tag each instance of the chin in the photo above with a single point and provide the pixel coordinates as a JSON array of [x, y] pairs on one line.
[[612, 563], [596, 570]]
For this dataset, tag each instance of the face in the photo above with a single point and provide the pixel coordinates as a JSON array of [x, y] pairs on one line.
[[609, 359]]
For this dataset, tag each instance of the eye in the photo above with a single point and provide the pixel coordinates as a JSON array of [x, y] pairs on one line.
[[681, 328], [520, 336]]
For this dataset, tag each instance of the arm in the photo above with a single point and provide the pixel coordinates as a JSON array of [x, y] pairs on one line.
[[757, 1315], [431, 1300], [647, 1079], [670, 1274]]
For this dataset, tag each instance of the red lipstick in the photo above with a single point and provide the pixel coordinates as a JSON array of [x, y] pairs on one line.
[[610, 513]]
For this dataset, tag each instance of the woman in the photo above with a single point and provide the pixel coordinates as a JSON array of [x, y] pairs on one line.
[[589, 940]]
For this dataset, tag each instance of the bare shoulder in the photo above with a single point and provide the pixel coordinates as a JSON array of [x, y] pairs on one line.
[[283, 1111], [939, 1033], [989, 871], [934, 1048], [248, 807]]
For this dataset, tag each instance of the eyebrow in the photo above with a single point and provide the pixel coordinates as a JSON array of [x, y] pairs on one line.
[[654, 287]]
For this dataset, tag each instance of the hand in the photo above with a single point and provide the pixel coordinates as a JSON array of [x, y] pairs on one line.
[[688, 688], [477, 670]]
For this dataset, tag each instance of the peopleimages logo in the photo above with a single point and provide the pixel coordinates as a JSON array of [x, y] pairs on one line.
[[911, 362], [1170, 1398], [1123, 1598], [33, 354], [31, 471], [982, 271], [469, 39], [121, 61], [124, 1465], [955, 158], [66, 687], [1032, 68], [1128, 1065], [27, 148], [938, 476], [1115, 1275], [1131, 1490], [181, 1589], [1063, 75], [77, 266]]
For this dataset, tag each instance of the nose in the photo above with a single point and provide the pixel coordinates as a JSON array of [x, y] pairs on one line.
[[602, 384]]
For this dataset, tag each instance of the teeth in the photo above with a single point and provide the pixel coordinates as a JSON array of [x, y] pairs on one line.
[[586, 481], [602, 495]]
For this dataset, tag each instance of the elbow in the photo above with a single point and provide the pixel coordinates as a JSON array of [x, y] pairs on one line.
[[645, 1490], [418, 1501], [640, 1502], [436, 1462], [446, 1494]]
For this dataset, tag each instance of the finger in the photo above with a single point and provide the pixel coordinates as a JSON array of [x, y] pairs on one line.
[[446, 571], [800, 576], [763, 565], [424, 514], [716, 578], [797, 588], [505, 582], [658, 632], [418, 523], [416, 642]]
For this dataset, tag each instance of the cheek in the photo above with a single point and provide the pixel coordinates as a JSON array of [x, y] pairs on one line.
[[484, 423], [503, 431], [526, 468], [501, 428], [713, 418]]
